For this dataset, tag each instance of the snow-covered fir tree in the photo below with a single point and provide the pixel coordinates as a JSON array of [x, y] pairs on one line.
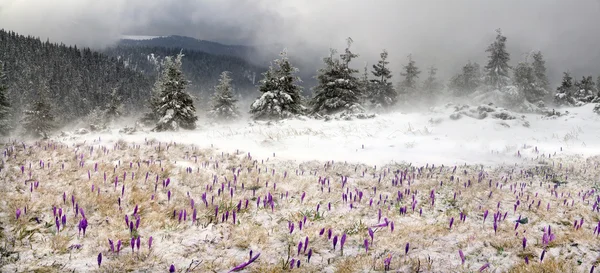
[[365, 86], [497, 70], [527, 82], [408, 86], [337, 89], [585, 90], [175, 107], [150, 118], [38, 120], [223, 101], [431, 86], [539, 68], [598, 85], [114, 108], [5, 109], [280, 96], [382, 93], [468, 81], [564, 93]]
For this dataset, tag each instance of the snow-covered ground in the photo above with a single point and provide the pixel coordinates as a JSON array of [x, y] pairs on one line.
[[417, 138], [317, 176]]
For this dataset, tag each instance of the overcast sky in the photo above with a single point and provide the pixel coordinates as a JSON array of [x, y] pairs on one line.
[[445, 33]]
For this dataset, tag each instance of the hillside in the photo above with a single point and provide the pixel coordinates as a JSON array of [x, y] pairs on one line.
[[201, 68], [77, 80]]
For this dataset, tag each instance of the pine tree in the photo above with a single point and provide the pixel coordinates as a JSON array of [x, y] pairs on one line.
[[564, 93], [176, 107], [150, 118], [527, 82], [223, 101], [539, 68], [598, 85], [383, 93], [468, 81], [338, 89], [497, 69], [280, 97], [408, 86], [431, 86], [114, 108], [365, 86], [585, 90], [38, 119], [5, 108]]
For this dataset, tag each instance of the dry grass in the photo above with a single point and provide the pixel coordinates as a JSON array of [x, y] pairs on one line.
[[221, 246]]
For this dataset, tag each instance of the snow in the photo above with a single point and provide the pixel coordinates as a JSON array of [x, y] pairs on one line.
[[419, 138], [139, 37]]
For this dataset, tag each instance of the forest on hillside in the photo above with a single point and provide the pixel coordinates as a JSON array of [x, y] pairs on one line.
[[73, 81]]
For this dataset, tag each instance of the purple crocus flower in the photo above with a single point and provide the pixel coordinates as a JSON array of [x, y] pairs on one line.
[[57, 224], [484, 267], [335, 239], [118, 246], [172, 269], [305, 244], [99, 259], [132, 244], [138, 243], [366, 245], [542, 256], [309, 255], [524, 242], [406, 248], [150, 242], [242, 266], [299, 247], [18, 213], [451, 222], [462, 256], [342, 242], [112, 246]]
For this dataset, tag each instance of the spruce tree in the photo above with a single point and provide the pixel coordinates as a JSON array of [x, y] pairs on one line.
[[151, 117], [408, 86], [280, 97], [223, 102], [468, 81], [175, 107], [585, 90], [598, 86], [38, 120], [365, 86], [564, 93], [497, 69], [114, 108], [539, 68], [337, 89], [527, 82], [431, 86], [5, 108], [383, 93]]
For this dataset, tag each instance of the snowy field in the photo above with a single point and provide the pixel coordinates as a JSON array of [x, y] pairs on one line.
[[396, 138], [400, 192]]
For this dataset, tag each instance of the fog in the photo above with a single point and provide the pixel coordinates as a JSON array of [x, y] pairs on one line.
[[442, 33]]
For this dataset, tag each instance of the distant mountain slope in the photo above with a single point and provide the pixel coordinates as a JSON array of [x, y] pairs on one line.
[[182, 42], [74, 80], [259, 56], [201, 68]]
